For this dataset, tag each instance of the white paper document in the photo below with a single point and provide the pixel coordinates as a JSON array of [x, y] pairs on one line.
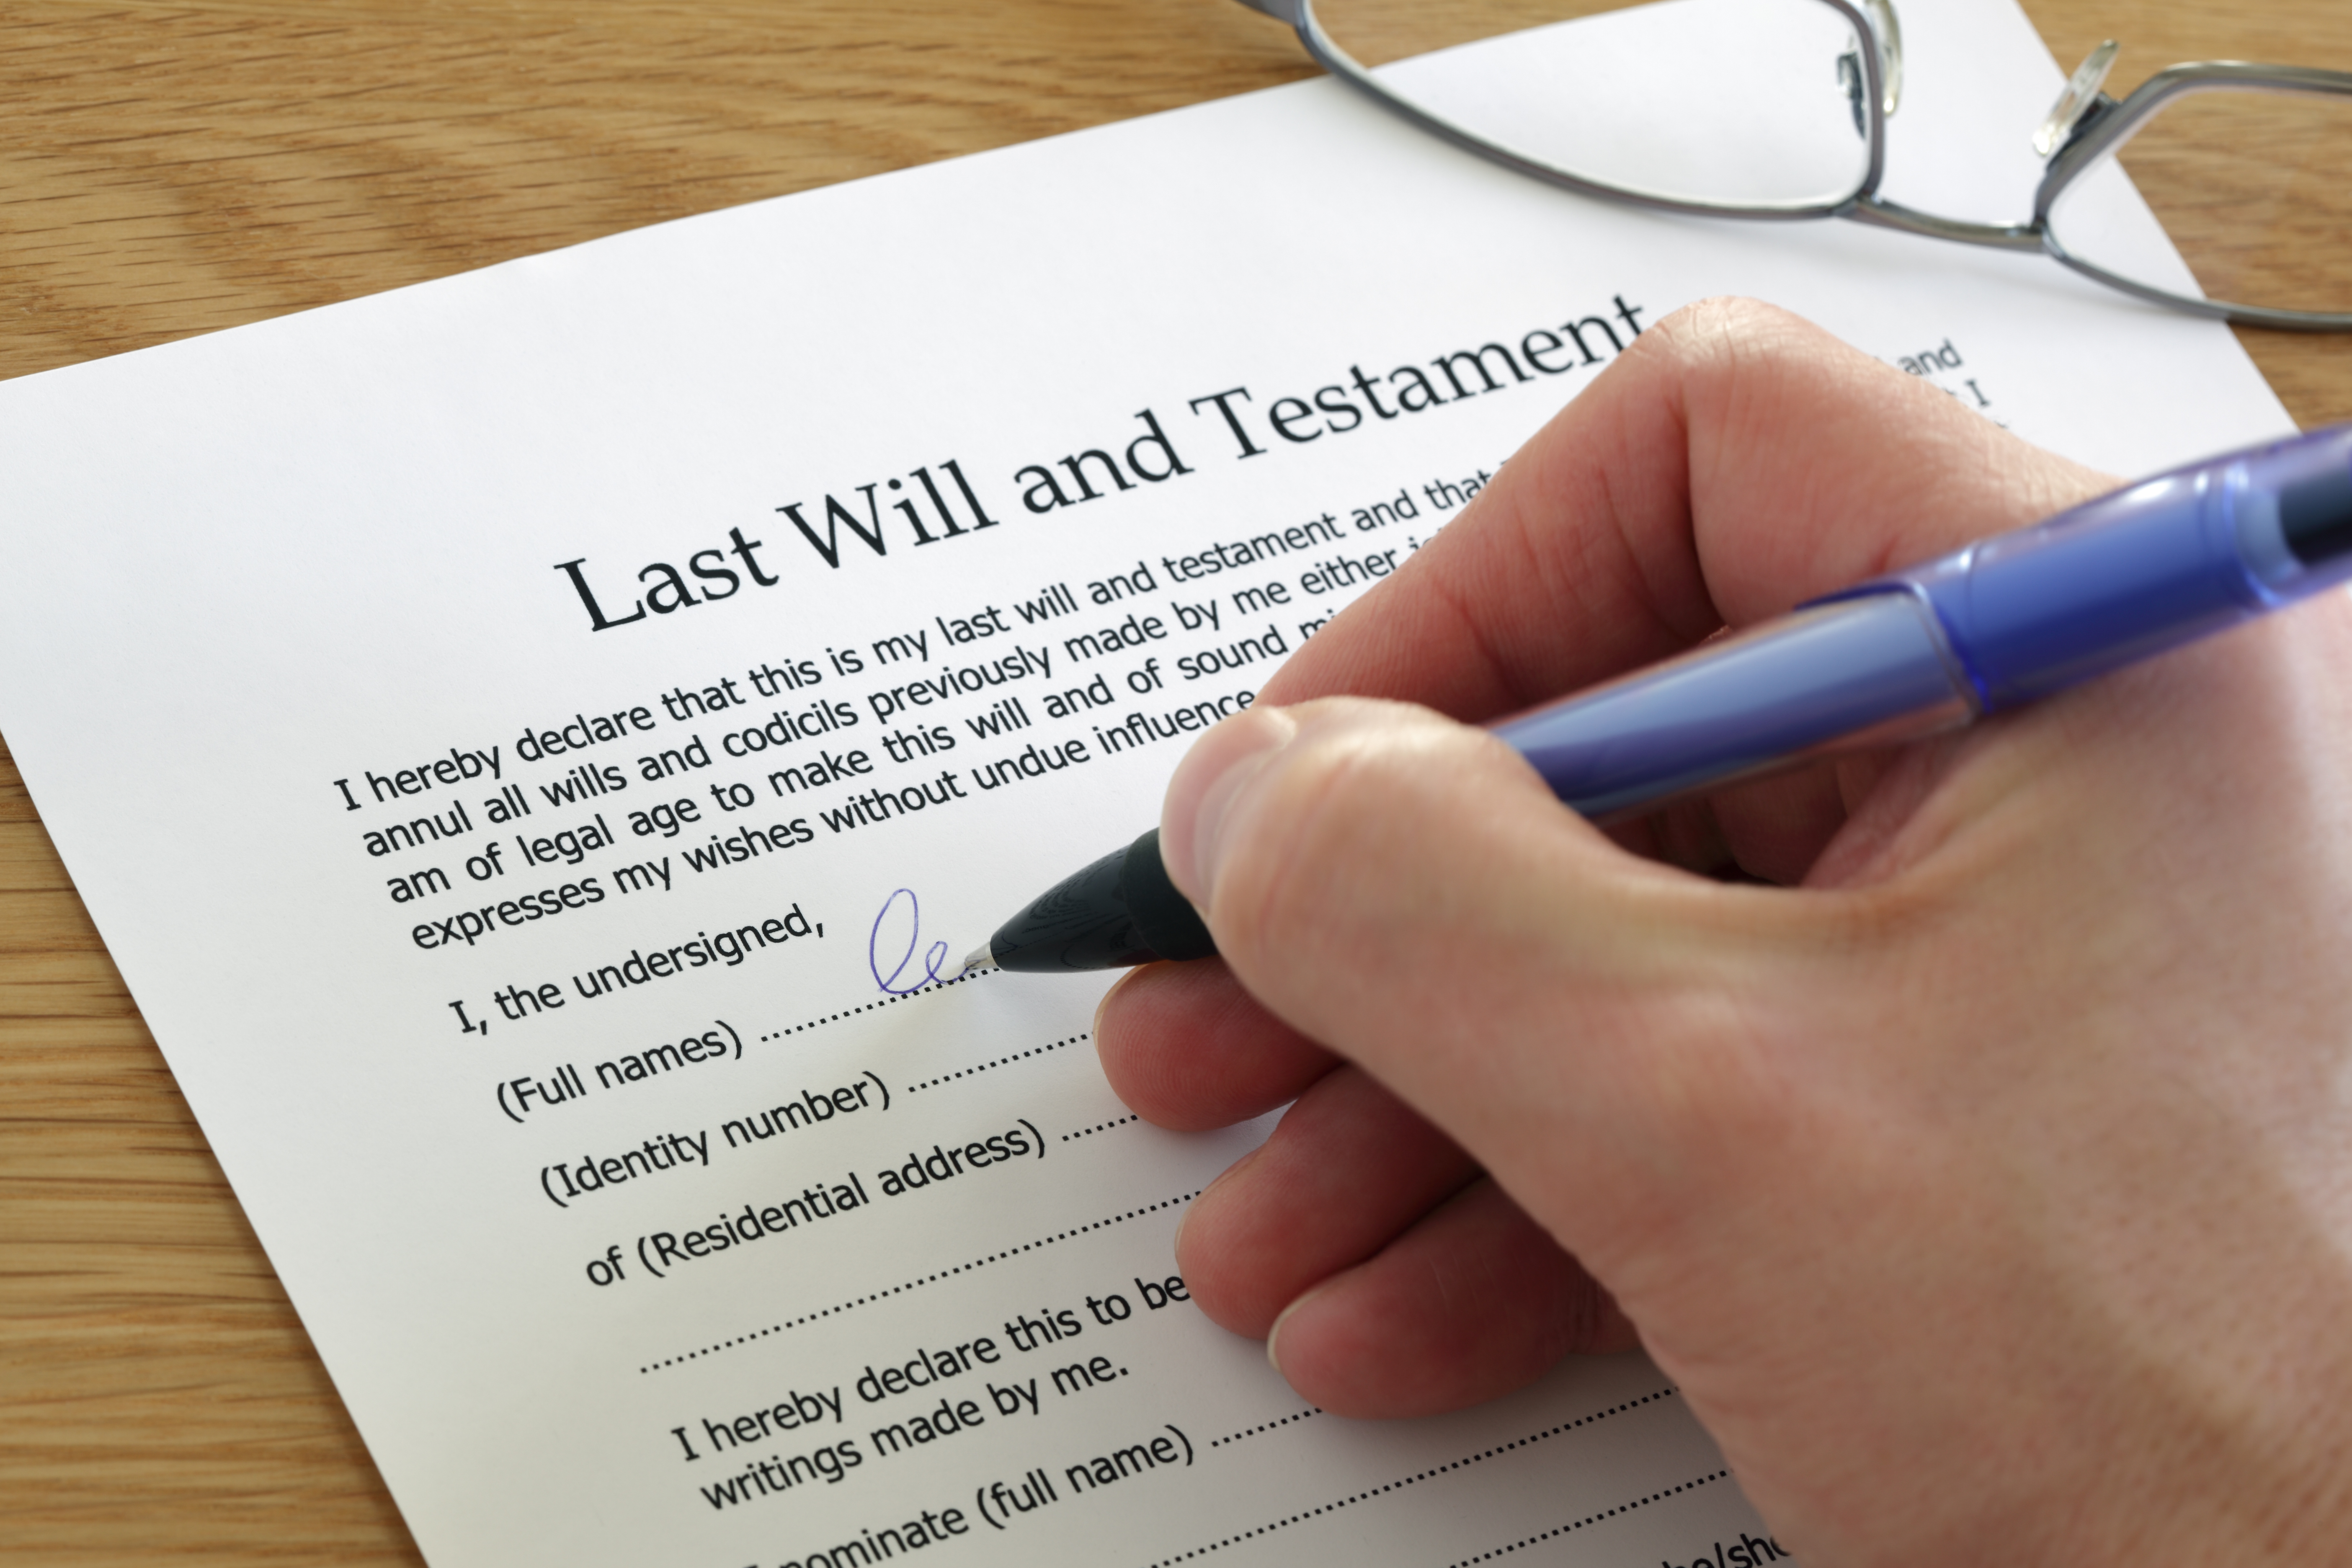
[[532, 741]]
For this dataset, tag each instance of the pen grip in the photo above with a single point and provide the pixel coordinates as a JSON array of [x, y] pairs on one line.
[[1871, 669]]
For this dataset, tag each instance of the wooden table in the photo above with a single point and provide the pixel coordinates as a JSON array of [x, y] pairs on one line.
[[173, 169]]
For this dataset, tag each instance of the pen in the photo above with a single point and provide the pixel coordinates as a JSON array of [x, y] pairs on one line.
[[1999, 623]]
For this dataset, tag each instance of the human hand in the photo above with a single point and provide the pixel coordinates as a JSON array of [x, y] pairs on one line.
[[1987, 1188]]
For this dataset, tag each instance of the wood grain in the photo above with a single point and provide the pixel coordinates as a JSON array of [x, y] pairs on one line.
[[167, 170]]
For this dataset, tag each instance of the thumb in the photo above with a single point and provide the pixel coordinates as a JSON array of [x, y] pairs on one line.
[[1405, 890]]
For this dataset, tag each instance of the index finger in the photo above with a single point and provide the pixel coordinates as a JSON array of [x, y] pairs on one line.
[[1691, 487]]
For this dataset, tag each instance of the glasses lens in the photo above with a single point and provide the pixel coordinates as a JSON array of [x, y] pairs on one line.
[[2255, 189], [1737, 104]]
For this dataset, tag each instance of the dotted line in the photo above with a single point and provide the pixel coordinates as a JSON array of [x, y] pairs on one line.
[[855, 1302], [1309, 1412], [1103, 1127], [967, 975], [1463, 1463], [1595, 1517], [1015, 1057]]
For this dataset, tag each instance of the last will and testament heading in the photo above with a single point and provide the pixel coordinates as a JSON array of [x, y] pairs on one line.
[[947, 504]]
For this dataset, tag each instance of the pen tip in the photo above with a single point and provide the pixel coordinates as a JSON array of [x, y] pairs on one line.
[[977, 959]]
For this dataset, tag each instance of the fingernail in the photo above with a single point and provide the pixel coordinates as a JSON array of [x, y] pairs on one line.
[[1227, 1174], [1273, 1334], [1212, 777]]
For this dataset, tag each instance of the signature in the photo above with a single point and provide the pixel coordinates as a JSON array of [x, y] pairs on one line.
[[883, 939]]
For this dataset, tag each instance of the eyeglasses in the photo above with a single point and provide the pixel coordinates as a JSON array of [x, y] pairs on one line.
[[1778, 109]]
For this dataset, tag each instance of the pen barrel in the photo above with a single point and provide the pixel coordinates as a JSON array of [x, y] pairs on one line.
[[1865, 670], [2145, 569], [2123, 577]]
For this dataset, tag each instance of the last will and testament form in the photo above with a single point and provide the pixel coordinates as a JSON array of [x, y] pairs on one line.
[[537, 742]]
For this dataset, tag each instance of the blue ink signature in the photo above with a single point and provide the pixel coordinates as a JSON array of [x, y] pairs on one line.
[[932, 957]]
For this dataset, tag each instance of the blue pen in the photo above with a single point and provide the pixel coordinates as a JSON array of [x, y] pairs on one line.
[[2005, 621]]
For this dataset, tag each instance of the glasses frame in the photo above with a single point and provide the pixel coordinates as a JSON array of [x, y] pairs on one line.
[[2100, 131]]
